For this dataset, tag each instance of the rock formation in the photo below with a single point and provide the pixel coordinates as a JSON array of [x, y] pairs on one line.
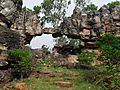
[[9, 39], [9, 10], [86, 26], [28, 25]]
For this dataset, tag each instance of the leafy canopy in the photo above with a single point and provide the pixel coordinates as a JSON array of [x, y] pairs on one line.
[[90, 7], [55, 10], [112, 4]]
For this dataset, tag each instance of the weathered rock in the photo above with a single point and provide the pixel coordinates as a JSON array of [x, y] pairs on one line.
[[21, 86], [10, 39], [3, 63], [81, 25], [9, 10], [8, 87], [5, 76], [28, 25], [72, 59]]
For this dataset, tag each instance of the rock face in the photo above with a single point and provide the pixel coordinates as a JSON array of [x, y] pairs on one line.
[[9, 39], [88, 25], [28, 25], [9, 10], [80, 25]]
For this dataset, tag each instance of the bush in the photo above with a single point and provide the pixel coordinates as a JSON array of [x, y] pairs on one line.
[[85, 57], [109, 46], [21, 60]]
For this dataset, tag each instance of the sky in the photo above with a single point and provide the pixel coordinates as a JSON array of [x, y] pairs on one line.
[[32, 3], [38, 41]]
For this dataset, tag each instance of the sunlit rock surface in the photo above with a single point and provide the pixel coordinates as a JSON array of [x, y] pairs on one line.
[[28, 25], [9, 10]]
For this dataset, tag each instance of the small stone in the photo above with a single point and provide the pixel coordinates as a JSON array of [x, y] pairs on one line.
[[20, 86], [64, 84]]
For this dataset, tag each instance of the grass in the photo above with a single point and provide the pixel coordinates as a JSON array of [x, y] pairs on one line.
[[49, 82]]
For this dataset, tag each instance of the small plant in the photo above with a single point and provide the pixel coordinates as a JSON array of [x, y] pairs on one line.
[[21, 60], [85, 57]]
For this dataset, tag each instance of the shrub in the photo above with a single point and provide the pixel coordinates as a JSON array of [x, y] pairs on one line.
[[85, 57], [40, 62], [21, 60], [109, 46]]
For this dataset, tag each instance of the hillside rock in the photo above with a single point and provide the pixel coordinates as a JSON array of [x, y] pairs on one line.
[[9, 39], [80, 25], [9, 10], [28, 25]]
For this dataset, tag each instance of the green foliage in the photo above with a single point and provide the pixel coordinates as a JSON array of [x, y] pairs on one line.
[[55, 10], [81, 3], [110, 49], [90, 7], [44, 61], [25, 9], [21, 58], [112, 4], [85, 57], [68, 41], [108, 81], [36, 9]]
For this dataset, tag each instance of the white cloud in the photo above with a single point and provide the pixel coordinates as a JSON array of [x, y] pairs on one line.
[[31, 3]]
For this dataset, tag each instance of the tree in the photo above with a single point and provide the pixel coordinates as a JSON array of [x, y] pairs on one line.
[[112, 4], [81, 3], [90, 7], [55, 10], [36, 9]]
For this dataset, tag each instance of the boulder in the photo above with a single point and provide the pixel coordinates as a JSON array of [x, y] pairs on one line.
[[27, 25], [20, 86], [5, 76], [9, 10], [10, 39], [72, 59]]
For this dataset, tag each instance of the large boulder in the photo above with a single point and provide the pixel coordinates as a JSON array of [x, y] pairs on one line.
[[28, 25], [10, 39], [9, 10]]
